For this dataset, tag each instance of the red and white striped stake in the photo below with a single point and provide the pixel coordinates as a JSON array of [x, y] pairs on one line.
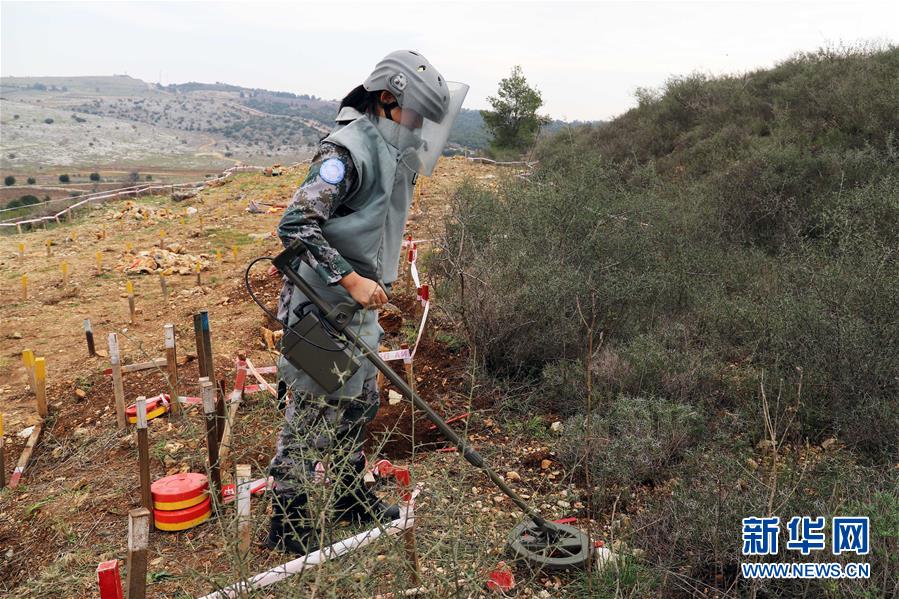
[[26, 455]]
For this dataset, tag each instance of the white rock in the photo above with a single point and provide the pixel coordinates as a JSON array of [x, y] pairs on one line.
[[393, 397], [556, 427], [603, 558]]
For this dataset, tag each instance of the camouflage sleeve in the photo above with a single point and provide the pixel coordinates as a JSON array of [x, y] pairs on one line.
[[331, 178]]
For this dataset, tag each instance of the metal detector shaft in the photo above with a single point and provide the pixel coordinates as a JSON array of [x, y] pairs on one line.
[[284, 263]]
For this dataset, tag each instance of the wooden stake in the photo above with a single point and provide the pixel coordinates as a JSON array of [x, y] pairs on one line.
[[21, 250], [234, 252], [64, 267], [26, 455], [220, 415], [138, 539], [407, 366], [197, 268], [2, 455], [128, 247], [243, 507], [207, 392], [165, 287], [161, 238], [49, 248], [143, 453], [109, 580], [89, 335], [24, 287], [117, 387], [40, 386], [233, 404], [129, 288], [218, 256], [381, 379], [99, 263], [171, 359], [206, 335], [412, 555], [198, 336]]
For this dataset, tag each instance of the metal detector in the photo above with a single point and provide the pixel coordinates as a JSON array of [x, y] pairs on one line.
[[537, 541]]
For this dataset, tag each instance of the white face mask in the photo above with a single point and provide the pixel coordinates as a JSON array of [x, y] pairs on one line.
[[400, 137]]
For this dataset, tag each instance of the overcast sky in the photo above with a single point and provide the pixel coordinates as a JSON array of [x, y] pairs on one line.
[[587, 58]]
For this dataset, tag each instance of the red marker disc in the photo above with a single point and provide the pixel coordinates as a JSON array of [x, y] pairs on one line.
[[156, 406], [182, 519], [179, 491]]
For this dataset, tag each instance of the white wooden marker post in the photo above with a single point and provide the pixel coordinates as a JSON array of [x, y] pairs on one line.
[[117, 388], [171, 360], [243, 507]]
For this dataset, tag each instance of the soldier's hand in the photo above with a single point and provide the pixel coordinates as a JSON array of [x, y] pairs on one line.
[[365, 291]]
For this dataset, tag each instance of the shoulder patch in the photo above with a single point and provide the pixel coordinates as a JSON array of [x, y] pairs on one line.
[[332, 171]]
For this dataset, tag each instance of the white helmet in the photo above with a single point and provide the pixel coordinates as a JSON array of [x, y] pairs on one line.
[[420, 91]]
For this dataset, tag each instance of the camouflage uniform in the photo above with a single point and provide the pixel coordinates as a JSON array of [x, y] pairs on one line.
[[323, 433]]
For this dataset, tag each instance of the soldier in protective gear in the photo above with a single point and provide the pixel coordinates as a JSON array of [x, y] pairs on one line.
[[350, 215]]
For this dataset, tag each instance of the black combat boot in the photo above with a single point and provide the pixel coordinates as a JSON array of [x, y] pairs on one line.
[[288, 531], [358, 504]]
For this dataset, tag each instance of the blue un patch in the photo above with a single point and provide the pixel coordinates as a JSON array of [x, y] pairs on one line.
[[332, 171]]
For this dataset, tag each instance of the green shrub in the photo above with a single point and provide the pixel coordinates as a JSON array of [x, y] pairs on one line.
[[696, 523], [95, 177], [64, 179], [9, 180], [634, 440], [31, 180]]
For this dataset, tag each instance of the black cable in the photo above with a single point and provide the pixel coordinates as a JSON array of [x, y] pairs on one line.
[[325, 324]]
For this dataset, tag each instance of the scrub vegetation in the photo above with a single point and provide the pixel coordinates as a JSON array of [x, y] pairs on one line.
[[703, 290]]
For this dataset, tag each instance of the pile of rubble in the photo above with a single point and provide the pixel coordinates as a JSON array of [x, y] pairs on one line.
[[139, 212], [168, 260]]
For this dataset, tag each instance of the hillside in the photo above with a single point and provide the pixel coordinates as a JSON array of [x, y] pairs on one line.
[[703, 290]]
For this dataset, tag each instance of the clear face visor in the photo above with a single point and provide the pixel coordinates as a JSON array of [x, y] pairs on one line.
[[422, 139]]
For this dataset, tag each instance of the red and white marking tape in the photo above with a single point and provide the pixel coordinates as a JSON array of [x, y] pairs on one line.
[[278, 573]]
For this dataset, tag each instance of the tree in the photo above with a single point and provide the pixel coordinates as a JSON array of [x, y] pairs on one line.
[[64, 179], [32, 180], [9, 180], [95, 177], [514, 121], [134, 176]]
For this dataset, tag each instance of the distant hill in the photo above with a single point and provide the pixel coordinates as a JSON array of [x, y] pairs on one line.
[[120, 120]]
